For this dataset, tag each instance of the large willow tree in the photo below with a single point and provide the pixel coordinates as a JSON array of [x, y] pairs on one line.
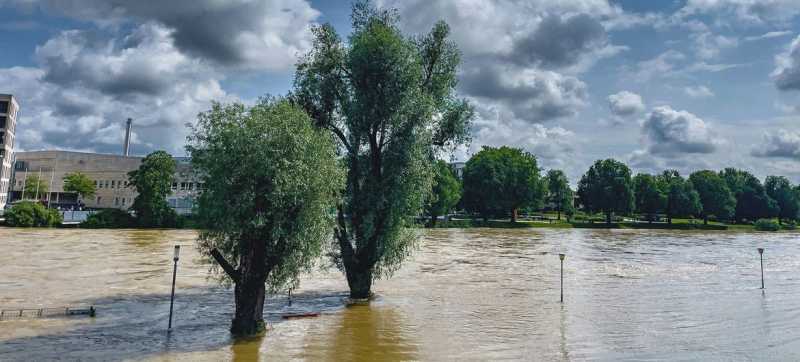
[[271, 181], [390, 101]]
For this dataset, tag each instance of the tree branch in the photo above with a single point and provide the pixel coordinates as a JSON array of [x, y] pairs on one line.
[[234, 274]]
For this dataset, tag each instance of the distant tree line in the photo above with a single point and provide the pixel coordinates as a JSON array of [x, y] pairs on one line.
[[498, 182]]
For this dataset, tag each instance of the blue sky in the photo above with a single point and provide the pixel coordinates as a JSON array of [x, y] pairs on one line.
[[689, 84]]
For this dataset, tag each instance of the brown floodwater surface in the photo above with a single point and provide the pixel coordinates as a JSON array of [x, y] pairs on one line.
[[471, 294]]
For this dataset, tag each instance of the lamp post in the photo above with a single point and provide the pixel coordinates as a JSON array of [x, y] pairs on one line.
[[561, 257], [174, 272], [761, 256]]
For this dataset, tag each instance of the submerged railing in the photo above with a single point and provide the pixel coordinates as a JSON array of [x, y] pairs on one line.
[[25, 313]]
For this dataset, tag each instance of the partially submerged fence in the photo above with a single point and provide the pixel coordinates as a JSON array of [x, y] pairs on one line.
[[25, 313]]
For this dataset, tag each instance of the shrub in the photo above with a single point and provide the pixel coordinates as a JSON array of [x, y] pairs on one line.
[[31, 214], [767, 225], [789, 225], [109, 219]]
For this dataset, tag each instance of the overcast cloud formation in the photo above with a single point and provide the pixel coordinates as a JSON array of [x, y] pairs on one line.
[[566, 80]]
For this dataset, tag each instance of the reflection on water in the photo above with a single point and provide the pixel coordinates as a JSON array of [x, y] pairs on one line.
[[481, 294]]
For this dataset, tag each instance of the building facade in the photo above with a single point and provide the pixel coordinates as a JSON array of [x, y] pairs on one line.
[[9, 109], [109, 173]]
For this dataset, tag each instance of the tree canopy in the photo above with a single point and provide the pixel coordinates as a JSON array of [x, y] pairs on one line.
[[559, 195], [650, 198], [715, 196], [35, 187], [681, 198], [390, 101], [153, 182], [752, 201], [606, 187], [272, 181], [499, 181], [80, 184], [780, 189], [446, 191]]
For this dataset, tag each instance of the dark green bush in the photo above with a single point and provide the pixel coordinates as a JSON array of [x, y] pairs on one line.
[[767, 225], [32, 214], [109, 219], [789, 225]]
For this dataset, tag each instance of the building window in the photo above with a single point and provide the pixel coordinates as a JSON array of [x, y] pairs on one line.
[[98, 200], [112, 184], [2, 121], [116, 201], [4, 107], [123, 201], [174, 185]]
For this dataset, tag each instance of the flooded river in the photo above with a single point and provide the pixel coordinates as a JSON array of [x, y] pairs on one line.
[[478, 294]]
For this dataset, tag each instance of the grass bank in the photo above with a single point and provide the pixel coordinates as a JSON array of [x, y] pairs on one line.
[[677, 224]]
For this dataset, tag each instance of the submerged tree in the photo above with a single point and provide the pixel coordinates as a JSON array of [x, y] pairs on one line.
[[272, 182], [390, 101], [606, 187], [446, 191], [558, 192], [153, 182], [500, 181]]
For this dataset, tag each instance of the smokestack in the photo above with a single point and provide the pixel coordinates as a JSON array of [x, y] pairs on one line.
[[128, 138]]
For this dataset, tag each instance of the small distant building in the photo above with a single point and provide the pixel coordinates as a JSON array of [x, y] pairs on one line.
[[9, 109], [109, 173]]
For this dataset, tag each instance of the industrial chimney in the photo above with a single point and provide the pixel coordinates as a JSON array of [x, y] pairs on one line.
[[127, 149]]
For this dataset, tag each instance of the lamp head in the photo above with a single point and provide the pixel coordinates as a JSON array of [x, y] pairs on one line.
[[177, 252], [761, 250], [562, 256]]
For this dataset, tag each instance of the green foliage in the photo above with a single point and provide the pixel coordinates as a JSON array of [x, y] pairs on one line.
[[35, 188], [682, 198], [767, 225], [606, 187], [650, 198], [789, 225], [32, 214], [558, 192], [502, 180], [153, 182], [715, 196], [752, 201], [80, 184], [390, 100], [446, 191], [780, 189], [109, 219], [272, 181]]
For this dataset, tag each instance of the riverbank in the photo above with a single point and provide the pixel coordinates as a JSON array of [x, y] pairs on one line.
[[677, 224]]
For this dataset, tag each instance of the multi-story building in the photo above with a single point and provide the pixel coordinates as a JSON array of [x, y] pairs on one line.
[[109, 173], [9, 109]]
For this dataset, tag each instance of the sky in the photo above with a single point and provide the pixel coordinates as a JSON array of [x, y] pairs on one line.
[[683, 84]]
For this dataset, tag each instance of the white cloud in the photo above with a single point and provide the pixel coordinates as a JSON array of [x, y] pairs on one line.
[[699, 91], [709, 45], [781, 143], [787, 67], [769, 35], [625, 104], [672, 133]]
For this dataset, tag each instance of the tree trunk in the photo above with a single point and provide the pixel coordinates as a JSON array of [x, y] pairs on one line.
[[608, 218], [559, 214], [513, 215], [669, 219], [705, 219], [248, 319], [433, 220], [360, 282]]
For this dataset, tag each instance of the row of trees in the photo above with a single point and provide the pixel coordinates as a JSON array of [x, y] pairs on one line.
[[498, 182], [730, 194]]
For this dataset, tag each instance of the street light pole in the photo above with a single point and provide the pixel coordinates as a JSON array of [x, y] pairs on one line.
[[562, 256], [174, 273], [761, 256]]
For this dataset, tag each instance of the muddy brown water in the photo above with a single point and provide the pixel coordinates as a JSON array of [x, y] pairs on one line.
[[474, 294]]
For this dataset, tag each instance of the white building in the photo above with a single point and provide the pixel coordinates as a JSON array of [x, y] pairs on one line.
[[9, 109]]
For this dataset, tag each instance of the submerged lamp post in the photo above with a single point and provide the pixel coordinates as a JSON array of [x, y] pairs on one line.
[[561, 257], [174, 272], [761, 256]]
